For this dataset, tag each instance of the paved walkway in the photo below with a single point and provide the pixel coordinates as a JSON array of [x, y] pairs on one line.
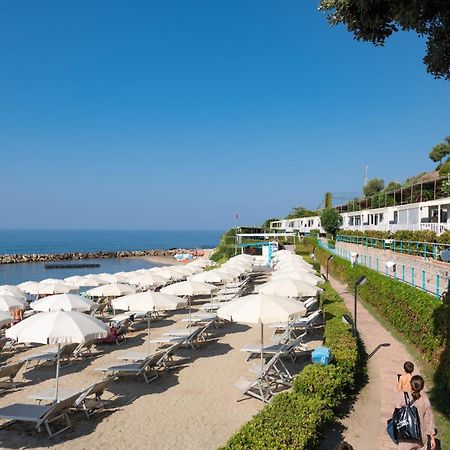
[[366, 424]]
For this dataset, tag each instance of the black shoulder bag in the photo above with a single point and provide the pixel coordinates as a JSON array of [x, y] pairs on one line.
[[404, 426]]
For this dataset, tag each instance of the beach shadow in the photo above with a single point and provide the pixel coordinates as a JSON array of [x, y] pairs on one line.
[[119, 394]]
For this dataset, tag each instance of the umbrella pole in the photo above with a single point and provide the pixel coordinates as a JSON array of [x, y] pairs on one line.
[[190, 313], [57, 372], [148, 332], [262, 348]]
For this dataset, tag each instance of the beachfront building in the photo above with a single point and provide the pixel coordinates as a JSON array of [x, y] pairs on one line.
[[432, 215]]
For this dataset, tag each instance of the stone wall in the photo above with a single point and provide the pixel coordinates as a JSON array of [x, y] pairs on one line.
[[428, 274], [38, 257]]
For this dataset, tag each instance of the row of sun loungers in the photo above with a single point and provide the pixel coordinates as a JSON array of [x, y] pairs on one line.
[[86, 400]]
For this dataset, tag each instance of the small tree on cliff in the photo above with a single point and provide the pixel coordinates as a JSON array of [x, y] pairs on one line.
[[331, 221]]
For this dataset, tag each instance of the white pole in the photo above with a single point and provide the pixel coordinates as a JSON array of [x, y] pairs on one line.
[[57, 372], [262, 348], [148, 332], [190, 313]]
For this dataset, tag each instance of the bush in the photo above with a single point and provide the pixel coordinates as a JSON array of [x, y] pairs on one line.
[[225, 250], [293, 419]]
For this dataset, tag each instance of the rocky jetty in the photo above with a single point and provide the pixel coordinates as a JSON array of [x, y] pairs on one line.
[[41, 257]]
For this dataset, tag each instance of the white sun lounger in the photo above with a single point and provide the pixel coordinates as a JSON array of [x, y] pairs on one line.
[[9, 371], [41, 415], [51, 355]]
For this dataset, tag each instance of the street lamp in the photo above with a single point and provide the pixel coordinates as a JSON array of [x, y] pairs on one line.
[[328, 261], [359, 282]]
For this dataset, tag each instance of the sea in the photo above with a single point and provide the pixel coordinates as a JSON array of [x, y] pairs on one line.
[[62, 241]]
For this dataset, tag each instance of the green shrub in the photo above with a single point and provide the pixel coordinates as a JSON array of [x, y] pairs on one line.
[[226, 248]]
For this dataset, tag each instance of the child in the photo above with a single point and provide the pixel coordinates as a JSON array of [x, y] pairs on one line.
[[404, 381]]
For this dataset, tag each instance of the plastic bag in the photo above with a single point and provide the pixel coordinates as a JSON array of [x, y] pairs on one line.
[[405, 424]]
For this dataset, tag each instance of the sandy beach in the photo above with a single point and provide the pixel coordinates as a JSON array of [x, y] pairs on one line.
[[193, 406], [170, 260]]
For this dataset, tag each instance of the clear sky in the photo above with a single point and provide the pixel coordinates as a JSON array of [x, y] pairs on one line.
[[176, 114]]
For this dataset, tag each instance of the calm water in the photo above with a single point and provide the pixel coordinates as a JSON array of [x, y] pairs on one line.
[[17, 273], [61, 241]]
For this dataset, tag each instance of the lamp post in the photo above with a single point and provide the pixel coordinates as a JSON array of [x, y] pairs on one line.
[[328, 262], [359, 282]]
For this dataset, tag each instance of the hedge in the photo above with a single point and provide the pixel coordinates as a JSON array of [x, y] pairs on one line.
[[294, 419], [419, 317]]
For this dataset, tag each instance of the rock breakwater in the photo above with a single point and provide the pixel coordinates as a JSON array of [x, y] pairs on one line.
[[42, 257]]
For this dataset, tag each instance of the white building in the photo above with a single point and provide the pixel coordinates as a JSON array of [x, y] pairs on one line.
[[430, 215]]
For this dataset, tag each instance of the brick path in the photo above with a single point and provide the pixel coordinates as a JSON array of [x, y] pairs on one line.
[[366, 425]]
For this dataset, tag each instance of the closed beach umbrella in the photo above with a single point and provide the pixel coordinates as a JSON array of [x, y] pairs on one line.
[[189, 288], [10, 303], [262, 309], [63, 302], [61, 327], [111, 290], [289, 288]]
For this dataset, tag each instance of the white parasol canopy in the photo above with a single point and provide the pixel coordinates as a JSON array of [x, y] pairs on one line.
[[5, 318], [51, 288], [263, 309], [296, 275], [111, 290], [14, 291], [189, 288], [10, 303], [63, 302], [148, 301], [61, 327], [148, 280], [289, 288], [212, 276]]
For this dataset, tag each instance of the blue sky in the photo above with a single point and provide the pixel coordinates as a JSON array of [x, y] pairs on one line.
[[177, 114]]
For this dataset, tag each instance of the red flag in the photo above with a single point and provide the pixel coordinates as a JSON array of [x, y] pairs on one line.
[[237, 215]]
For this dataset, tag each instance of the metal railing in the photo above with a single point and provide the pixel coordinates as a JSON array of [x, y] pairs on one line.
[[423, 249]]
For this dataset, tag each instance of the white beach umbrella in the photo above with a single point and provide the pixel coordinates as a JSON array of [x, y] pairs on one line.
[[111, 290], [189, 288], [202, 262], [162, 272], [23, 286], [242, 257], [212, 276], [10, 303], [63, 302], [82, 281], [5, 318], [177, 272], [14, 291], [263, 309], [233, 271], [147, 302], [97, 279], [61, 327], [148, 280], [295, 275], [51, 288], [289, 288]]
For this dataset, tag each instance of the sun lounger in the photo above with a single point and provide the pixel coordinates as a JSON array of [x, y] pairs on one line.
[[263, 384], [287, 349], [41, 415], [303, 323], [86, 403], [51, 355], [147, 368], [9, 371]]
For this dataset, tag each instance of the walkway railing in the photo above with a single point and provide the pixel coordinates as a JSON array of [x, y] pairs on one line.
[[423, 249]]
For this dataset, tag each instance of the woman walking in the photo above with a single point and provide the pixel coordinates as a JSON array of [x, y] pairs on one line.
[[425, 413]]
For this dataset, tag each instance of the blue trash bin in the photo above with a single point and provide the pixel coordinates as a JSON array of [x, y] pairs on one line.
[[322, 355]]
